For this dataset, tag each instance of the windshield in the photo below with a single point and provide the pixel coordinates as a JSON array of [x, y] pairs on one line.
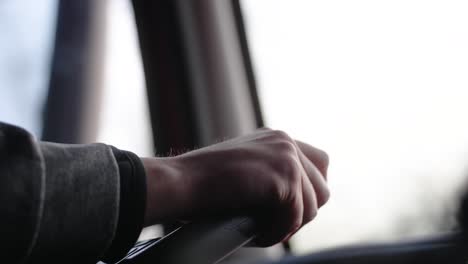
[[381, 86]]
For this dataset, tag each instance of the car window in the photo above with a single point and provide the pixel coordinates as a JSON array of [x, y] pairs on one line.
[[381, 86], [124, 118], [27, 30], [27, 34]]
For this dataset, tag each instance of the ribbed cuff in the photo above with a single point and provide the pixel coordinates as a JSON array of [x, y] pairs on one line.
[[132, 204]]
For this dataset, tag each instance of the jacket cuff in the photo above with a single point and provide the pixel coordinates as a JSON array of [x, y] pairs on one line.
[[132, 204]]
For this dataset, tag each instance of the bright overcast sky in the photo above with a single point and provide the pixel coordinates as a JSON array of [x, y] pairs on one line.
[[26, 38], [382, 87]]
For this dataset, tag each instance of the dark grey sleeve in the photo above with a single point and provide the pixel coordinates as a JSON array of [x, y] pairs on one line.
[[58, 202], [22, 192]]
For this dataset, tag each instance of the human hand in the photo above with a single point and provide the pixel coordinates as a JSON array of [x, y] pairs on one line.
[[277, 180]]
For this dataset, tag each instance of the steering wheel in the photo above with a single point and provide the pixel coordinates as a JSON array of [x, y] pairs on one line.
[[195, 243], [210, 242]]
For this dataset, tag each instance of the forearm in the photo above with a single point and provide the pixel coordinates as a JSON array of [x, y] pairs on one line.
[[168, 190]]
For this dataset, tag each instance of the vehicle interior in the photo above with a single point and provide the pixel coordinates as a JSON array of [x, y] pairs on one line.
[[379, 85]]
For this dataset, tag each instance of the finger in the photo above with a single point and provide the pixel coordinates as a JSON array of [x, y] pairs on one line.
[[286, 217], [316, 178], [309, 199], [282, 224], [318, 157]]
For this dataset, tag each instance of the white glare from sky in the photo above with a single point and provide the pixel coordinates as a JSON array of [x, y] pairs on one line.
[[382, 87], [124, 120], [27, 33]]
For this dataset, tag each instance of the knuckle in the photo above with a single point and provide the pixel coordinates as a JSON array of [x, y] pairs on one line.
[[309, 215], [287, 165], [280, 193], [324, 196], [284, 146], [324, 160], [279, 134], [298, 219], [312, 214], [314, 211], [286, 180], [296, 224]]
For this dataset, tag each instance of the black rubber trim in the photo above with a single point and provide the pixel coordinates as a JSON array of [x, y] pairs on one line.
[[248, 65]]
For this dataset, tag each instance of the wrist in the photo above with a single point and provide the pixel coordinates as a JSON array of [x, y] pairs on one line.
[[166, 195]]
